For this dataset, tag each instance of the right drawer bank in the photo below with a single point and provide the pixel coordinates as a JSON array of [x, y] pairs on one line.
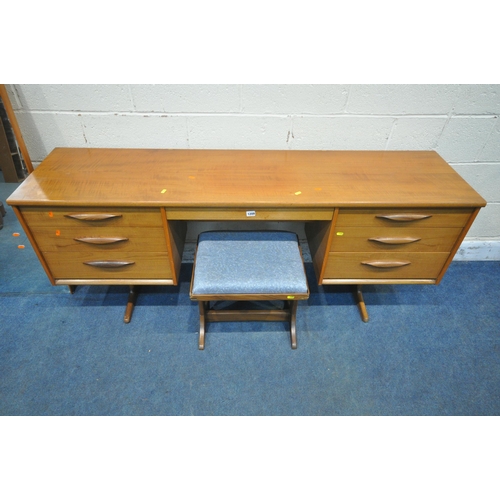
[[393, 244]]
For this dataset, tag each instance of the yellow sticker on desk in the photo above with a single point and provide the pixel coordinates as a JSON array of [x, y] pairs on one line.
[[290, 297], [340, 233], [163, 191], [298, 192]]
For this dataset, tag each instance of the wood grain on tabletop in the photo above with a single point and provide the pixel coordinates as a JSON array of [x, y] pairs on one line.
[[236, 178]]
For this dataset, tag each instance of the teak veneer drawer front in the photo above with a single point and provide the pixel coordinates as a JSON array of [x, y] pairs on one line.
[[249, 214], [95, 265], [402, 265], [71, 239], [59, 217], [404, 217], [394, 239]]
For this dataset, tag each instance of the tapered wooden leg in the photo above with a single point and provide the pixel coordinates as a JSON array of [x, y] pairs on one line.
[[361, 304], [201, 340], [132, 297], [293, 322], [72, 289]]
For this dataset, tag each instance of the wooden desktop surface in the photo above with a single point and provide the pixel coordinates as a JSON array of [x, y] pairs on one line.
[[251, 179]]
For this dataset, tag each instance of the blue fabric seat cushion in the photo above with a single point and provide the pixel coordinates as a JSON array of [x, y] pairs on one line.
[[248, 262]]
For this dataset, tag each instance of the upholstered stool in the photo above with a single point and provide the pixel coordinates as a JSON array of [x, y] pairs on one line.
[[248, 266]]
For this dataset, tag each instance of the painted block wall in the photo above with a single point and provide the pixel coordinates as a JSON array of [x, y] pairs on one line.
[[460, 122]]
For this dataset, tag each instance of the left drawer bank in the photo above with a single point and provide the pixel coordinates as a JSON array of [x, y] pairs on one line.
[[105, 245]]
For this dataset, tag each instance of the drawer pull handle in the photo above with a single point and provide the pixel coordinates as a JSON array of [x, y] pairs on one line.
[[109, 264], [403, 217], [388, 240], [386, 263], [92, 217], [101, 241]]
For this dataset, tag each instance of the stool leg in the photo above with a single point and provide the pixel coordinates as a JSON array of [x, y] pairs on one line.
[[201, 339], [293, 321]]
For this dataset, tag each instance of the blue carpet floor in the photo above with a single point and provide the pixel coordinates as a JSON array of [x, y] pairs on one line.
[[427, 350]]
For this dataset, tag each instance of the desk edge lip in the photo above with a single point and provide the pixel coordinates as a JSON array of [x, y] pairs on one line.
[[478, 203]]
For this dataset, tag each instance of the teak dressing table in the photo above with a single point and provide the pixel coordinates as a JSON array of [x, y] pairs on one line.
[[119, 216]]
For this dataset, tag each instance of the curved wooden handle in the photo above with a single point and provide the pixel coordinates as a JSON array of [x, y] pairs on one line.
[[386, 263], [101, 241], [108, 264], [92, 216], [388, 240], [403, 217]]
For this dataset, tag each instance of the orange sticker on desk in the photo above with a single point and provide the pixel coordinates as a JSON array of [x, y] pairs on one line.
[[51, 214], [15, 235], [20, 246], [58, 233]]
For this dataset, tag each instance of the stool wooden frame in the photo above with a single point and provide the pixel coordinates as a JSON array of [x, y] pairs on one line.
[[210, 315]]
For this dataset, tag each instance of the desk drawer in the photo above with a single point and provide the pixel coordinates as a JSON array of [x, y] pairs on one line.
[[71, 239], [59, 217], [134, 265], [249, 214], [384, 265], [404, 217], [393, 239]]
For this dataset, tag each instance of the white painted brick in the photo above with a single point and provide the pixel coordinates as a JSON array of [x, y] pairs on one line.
[[294, 99], [71, 97], [464, 138], [484, 178], [340, 132], [42, 132], [491, 150], [14, 100], [478, 250], [244, 116], [478, 99], [186, 98], [402, 99], [238, 132], [416, 133], [486, 224], [135, 131]]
